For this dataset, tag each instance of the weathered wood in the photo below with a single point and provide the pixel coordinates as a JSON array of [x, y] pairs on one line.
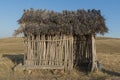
[[49, 51], [54, 50], [72, 53], [43, 67], [94, 61]]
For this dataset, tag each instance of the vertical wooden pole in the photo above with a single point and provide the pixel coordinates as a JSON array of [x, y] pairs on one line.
[[44, 54], [94, 57], [51, 48], [26, 49], [39, 50], [72, 53]]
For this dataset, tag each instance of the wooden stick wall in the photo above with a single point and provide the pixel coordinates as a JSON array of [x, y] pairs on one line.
[[49, 52], [60, 52]]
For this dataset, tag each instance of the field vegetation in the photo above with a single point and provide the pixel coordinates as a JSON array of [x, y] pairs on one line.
[[108, 53]]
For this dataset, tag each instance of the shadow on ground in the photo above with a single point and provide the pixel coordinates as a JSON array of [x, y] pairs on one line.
[[111, 73], [16, 59]]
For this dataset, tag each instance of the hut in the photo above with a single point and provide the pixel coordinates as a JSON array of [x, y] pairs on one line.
[[61, 40]]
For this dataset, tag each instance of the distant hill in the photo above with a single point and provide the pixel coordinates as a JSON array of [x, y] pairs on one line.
[[11, 45], [103, 38], [108, 45], [104, 45]]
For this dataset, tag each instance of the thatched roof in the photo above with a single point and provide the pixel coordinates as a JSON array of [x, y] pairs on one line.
[[78, 22]]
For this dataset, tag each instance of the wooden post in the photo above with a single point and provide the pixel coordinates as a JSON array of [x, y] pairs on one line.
[[94, 57], [26, 49]]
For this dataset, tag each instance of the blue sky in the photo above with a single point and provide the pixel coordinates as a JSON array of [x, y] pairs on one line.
[[12, 10]]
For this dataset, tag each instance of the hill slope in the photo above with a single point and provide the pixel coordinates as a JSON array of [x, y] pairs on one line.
[[15, 45], [11, 45]]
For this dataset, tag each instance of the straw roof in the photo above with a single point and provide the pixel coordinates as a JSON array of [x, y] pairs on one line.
[[79, 22]]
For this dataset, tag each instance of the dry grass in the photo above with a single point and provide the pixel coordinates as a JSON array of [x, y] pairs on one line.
[[108, 45], [110, 61], [11, 45], [108, 52]]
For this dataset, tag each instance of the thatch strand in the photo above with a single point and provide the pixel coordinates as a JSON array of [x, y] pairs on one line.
[[78, 22]]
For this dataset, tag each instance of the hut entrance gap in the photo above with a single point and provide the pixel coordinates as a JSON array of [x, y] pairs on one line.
[[85, 52]]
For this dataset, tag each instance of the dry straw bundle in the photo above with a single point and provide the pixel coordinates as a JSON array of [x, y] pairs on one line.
[[77, 22]]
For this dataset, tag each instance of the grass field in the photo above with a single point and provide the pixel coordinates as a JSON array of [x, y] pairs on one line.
[[108, 53]]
